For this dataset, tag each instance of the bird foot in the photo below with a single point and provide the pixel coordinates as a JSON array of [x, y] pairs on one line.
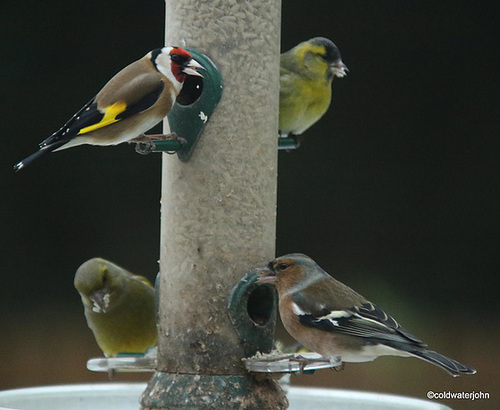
[[144, 144], [111, 374], [339, 368], [171, 136], [298, 140], [305, 361]]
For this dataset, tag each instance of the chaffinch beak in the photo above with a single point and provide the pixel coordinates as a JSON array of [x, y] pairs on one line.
[[267, 275]]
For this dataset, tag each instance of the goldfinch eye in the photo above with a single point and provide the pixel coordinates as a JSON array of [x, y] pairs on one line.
[[176, 58]]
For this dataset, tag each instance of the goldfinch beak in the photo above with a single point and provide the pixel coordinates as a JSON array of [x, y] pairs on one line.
[[339, 69], [266, 275], [190, 68]]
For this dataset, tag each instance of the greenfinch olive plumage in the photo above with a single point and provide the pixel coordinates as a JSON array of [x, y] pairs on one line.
[[306, 74], [119, 307]]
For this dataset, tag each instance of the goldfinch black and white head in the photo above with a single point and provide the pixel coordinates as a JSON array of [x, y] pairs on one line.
[[132, 102], [306, 74]]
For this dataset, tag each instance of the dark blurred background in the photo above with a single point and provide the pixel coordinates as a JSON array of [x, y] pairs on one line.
[[395, 192]]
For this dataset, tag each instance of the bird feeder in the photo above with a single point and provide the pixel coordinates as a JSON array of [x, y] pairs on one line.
[[252, 309], [218, 210], [193, 108]]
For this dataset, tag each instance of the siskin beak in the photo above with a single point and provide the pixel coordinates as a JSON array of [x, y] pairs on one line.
[[339, 69], [190, 68]]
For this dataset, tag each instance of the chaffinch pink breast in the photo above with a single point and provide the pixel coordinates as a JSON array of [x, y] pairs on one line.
[[330, 318]]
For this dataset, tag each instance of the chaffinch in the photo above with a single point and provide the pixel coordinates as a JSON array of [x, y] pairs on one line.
[[330, 318]]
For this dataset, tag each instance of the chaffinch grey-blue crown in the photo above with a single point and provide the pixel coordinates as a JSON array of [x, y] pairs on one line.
[[330, 318]]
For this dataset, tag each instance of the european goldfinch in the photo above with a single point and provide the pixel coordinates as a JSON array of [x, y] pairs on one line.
[[330, 318], [132, 102], [306, 74], [119, 307]]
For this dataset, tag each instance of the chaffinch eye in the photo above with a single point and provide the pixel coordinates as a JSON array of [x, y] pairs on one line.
[[283, 266]]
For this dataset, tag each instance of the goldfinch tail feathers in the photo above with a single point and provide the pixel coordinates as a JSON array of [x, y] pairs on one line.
[[40, 153], [451, 366]]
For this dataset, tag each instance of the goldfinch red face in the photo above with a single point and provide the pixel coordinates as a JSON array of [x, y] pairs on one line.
[[176, 63], [182, 63]]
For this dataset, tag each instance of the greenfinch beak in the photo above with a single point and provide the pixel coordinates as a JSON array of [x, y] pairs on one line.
[[100, 300]]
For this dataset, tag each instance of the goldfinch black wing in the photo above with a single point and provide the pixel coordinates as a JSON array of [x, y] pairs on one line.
[[103, 110]]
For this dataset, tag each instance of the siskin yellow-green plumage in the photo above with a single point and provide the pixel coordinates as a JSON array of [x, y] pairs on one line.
[[119, 307], [306, 74]]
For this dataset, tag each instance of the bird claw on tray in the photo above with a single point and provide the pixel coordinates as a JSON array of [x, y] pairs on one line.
[[278, 362], [144, 148], [145, 143]]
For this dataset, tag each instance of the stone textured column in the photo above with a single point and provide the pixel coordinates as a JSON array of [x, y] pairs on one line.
[[218, 211]]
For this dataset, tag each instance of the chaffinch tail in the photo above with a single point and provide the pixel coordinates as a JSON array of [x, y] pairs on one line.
[[330, 318]]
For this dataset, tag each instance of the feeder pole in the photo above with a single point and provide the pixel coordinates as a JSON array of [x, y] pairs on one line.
[[218, 210]]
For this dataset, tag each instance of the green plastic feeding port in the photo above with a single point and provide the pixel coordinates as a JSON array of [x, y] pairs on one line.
[[252, 309], [193, 108]]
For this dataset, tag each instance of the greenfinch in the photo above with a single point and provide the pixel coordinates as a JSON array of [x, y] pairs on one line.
[[119, 307], [306, 74], [330, 318]]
